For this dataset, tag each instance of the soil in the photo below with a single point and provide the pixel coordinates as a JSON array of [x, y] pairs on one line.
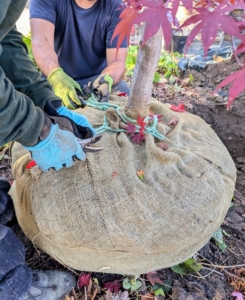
[[222, 271]]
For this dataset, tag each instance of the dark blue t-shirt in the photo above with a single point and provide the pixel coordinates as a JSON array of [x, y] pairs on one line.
[[81, 35]]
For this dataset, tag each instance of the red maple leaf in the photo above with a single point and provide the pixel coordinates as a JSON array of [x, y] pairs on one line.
[[176, 3], [122, 94], [130, 128], [127, 16], [153, 277], [209, 22], [113, 286], [83, 279], [138, 138], [179, 108], [174, 121], [238, 85], [141, 122], [151, 115], [155, 14]]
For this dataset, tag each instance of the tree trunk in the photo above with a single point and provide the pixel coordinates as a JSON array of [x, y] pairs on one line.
[[144, 71]]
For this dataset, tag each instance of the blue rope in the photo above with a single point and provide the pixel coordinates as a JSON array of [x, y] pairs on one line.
[[151, 129]]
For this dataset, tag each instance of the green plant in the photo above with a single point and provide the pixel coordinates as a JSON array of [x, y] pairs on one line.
[[131, 59], [27, 40], [132, 283], [190, 266], [167, 64]]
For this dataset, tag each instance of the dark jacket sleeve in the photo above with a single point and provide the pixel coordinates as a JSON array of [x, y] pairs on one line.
[[20, 119], [20, 70]]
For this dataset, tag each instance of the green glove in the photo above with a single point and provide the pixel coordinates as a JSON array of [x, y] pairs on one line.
[[65, 88], [102, 87]]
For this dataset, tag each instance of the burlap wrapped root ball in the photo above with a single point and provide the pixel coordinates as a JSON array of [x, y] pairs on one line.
[[100, 216]]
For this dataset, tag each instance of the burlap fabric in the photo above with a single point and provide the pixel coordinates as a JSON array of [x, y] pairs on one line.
[[99, 216]]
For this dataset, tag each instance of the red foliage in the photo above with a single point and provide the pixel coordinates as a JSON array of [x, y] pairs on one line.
[[113, 286], [238, 85], [209, 17], [153, 277], [131, 129], [83, 279], [179, 108], [155, 14], [209, 22]]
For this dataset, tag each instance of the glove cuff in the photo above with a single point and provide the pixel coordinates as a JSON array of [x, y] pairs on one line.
[[53, 73], [108, 79]]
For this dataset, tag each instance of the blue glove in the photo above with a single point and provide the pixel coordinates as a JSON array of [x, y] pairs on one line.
[[78, 119], [56, 150]]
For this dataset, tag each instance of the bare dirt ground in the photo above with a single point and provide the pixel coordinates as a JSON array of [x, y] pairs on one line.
[[223, 271]]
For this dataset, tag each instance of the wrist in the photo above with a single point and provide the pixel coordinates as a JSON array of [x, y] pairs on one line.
[[54, 73]]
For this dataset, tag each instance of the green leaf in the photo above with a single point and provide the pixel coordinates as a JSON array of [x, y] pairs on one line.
[[190, 266], [132, 283], [1, 157], [218, 238], [156, 78], [159, 292]]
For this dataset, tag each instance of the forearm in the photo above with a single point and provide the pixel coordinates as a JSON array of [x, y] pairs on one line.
[[20, 120], [116, 71], [45, 56], [22, 73]]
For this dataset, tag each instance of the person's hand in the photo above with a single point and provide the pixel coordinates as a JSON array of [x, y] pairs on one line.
[[65, 88], [57, 146], [82, 123], [102, 87]]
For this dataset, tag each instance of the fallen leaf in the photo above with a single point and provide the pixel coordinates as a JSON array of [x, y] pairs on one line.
[[130, 128], [138, 138], [190, 266], [132, 283], [141, 174], [174, 121], [151, 115], [123, 94], [113, 286], [238, 295], [179, 108], [148, 296], [153, 277], [84, 279], [119, 296], [115, 174], [218, 237], [141, 122], [162, 146]]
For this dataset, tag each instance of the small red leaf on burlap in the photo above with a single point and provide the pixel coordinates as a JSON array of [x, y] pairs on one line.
[[138, 138], [31, 164], [174, 121], [179, 108], [130, 128]]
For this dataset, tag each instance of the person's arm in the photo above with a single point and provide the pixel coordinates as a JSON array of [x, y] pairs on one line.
[[20, 70], [20, 120], [43, 49], [43, 45], [116, 62]]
